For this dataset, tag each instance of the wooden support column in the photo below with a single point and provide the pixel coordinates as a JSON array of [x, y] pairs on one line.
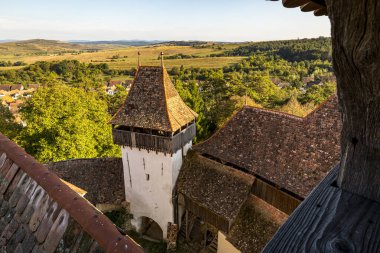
[[356, 55]]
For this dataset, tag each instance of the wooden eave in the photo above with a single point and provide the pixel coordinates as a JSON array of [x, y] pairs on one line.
[[317, 6]]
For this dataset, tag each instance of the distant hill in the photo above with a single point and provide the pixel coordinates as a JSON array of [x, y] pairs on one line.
[[290, 50], [44, 47], [118, 42], [4, 41]]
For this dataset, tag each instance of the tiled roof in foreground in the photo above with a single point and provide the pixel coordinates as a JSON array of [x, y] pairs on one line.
[[153, 103], [291, 152], [40, 213]]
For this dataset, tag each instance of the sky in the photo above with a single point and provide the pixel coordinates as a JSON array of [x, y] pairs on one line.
[[210, 20]]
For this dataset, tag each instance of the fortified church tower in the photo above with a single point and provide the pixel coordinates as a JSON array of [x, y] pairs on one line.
[[155, 129]]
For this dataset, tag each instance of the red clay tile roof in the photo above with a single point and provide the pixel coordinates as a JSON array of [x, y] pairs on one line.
[[33, 86], [17, 87], [291, 152], [153, 103], [5, 87], [39, 212]]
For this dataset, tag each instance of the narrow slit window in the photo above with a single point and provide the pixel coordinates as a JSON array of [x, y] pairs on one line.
[[147, 177]]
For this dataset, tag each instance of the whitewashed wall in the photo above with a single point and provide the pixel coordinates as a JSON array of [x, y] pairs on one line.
[[151, 198]]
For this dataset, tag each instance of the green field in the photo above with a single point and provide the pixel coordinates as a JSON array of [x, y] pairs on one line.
[[116, 56]]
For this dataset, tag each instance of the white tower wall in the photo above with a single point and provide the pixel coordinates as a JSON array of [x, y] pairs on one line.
[[149, 179]]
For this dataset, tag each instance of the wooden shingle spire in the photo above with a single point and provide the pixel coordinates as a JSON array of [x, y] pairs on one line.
[[153, 103]]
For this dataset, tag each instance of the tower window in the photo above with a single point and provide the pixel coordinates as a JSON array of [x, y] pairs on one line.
[[147, 177]]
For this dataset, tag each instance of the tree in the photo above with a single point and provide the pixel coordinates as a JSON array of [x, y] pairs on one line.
[[8, 125], [318, 93], [115, 101], [217, 94], [64, 123], [296, 108]]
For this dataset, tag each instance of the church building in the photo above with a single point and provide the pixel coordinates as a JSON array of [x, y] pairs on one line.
[[233, 191], [155, 129]]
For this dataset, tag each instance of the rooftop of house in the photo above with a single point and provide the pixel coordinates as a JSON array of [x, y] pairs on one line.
[[5, 87], [33, 86], [293, 153], [153, 103], [40, 213]]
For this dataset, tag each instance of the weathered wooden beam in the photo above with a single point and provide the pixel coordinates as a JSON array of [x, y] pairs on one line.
[[294, 3], [311, 6], [320, 12], [330, 220], [356, 58]]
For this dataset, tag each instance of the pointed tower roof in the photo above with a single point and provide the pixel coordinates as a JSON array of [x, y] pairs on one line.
[[153, 103]]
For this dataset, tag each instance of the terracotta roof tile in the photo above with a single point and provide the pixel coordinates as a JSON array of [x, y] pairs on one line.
[[5, 87], [38, 211], [153, 103], [294, 153]]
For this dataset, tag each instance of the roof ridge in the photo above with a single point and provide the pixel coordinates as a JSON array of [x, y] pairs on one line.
[[284, 114], [125, 100], [321, 105], [95, 223]]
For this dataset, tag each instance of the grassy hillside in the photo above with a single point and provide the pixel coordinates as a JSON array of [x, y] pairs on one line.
[[43, 47], [116, 56]]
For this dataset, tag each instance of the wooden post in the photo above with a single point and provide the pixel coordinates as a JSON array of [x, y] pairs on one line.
[[356, 55]]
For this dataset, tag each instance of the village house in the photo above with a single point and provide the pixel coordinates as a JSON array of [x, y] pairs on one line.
[[33, 86], [5, 88], [111, 86]]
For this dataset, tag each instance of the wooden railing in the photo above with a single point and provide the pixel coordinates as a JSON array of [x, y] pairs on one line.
[[154, 142]]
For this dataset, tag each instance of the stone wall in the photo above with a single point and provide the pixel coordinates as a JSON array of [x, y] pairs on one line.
[[102, 178]]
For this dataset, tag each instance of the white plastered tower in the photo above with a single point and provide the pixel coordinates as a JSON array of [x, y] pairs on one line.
[[155, 129]]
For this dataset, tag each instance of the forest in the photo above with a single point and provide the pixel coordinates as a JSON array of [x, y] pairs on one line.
[[67, 117]]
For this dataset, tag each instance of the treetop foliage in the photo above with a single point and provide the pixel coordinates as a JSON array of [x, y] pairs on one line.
[[65, 122]]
